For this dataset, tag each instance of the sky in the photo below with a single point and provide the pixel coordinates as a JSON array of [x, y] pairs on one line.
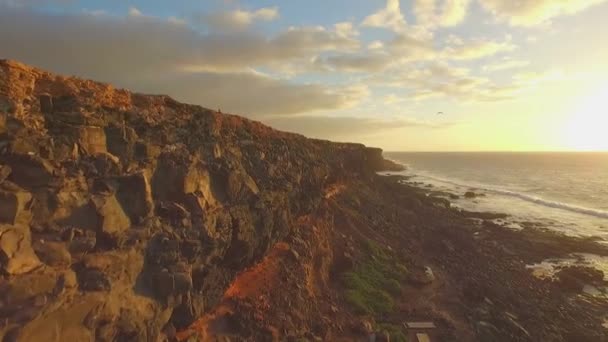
[[527, 75]]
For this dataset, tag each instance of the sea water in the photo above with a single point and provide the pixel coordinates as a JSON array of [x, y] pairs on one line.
[[566, 192]]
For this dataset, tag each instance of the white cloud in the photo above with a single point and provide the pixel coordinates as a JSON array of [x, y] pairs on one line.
[[505, 65], [153, 55], [432, 13], [238, 19], [134, 12], [366, 63], [406, 47], [454, 12], [459, 49], [389, 17], [440, 80], [346, 29], [375, 45], [535, 12], [346, 128], [392, 99]]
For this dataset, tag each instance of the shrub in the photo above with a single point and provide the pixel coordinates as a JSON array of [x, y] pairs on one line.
[[377, 276]]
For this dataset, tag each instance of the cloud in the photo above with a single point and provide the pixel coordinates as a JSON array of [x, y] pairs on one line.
[[346, 29], [534, 12], [348, 128], [154, 55], [26, 3], [144, 44], [368, 63], [389, 17], [458, 49], [506, 65], [454, 12], [238, 19], [410, 48], [440, 80], [375, 45], [450, 13], [254, 94], [134, 12]]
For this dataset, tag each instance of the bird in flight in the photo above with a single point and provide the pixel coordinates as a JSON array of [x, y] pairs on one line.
[[439, 113]]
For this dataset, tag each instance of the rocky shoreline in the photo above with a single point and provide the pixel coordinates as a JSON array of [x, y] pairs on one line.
[[130, 217]]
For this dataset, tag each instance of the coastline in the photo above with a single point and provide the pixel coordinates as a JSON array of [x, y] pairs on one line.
[[135, 217]]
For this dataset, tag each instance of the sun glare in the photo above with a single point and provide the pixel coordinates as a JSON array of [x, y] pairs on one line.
[[587, 127]]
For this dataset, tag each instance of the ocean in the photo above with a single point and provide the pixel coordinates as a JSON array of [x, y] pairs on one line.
[[566, 192]]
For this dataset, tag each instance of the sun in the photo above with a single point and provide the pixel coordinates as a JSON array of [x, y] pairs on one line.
[[586, 129]]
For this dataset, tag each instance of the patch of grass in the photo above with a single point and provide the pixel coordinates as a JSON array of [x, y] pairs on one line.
[[374, 280], [395, 331]]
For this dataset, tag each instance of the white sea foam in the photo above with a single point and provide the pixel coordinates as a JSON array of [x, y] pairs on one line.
[[523, 196]]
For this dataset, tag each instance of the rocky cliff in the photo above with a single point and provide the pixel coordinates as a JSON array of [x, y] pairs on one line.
[[127, 217]]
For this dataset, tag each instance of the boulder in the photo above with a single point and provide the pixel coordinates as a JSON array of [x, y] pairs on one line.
[[364, 327], [16, 253], [121, 141], [422, 276], [5, 171], [106, 164], [54, 254], [30, 171], [37, 283], [240, 186], [135, 196], [574, 278], [470, 194], [68, 279], [167, 283], [92, 139], [112, 218], [46, 103], [383, 336], [15, 207], [91, 279]]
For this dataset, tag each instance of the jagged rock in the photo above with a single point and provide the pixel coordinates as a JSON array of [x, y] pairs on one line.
[[27, 286], [574, 278], [68, 279], [191, 249], [383, 336], [470, 194], [15, 207], [364, 327], [121, 141], [106, 164], [98, 161], [240, 185], [422, 276], [83, 244], [112, 218], [135, 195], [46, 103], [5, 171], [30, 171], [53, 253], [173, 211], [92, 139], [16, 253], [91, 279]]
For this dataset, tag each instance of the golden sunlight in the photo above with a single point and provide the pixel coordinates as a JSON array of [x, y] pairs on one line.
[[587, 127]]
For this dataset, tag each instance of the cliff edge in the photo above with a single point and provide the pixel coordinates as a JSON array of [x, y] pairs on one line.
[[122, 214]]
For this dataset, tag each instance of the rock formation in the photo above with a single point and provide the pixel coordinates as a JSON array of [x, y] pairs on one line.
[[123, 214]]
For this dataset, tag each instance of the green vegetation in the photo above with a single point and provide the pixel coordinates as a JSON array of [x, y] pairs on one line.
[[395, 331], [374, 280]]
